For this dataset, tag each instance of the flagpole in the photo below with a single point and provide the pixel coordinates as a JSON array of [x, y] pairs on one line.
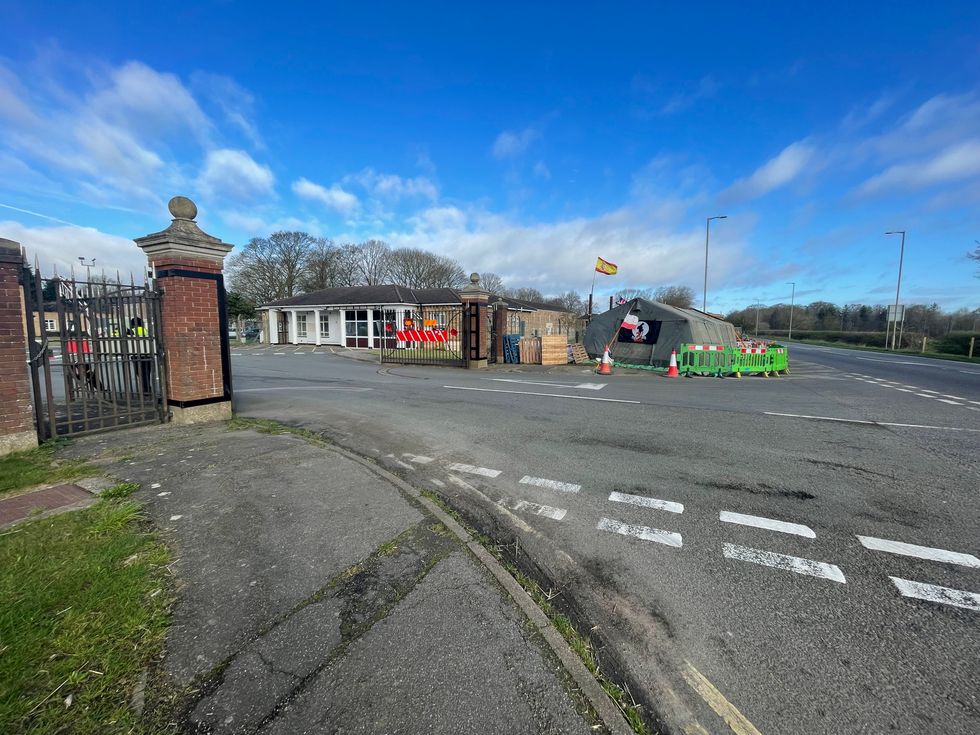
[[591, 292]]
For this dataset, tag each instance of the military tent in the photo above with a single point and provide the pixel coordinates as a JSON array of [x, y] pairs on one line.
[[655, 329]]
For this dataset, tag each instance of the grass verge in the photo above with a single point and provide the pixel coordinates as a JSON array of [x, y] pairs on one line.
[[883, 351], [24, 469], [84, 612], [579, 643]]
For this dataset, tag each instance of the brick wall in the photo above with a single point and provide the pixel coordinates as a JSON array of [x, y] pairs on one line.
[[16, 411], [191, 331], [538, 323]]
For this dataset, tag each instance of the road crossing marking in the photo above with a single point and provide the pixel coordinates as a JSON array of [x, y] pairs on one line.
[[797, 529], [562, 487], [417, 458], [539, 510], [645, 502], [784, 561], [668, 538], [482, 471], [545, 395], [921, 552], [935, 593]]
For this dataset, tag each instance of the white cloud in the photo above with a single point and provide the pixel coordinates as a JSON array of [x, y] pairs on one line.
[[954, 163], [335, 198], [233, 174], [774, 173], [393, 187], [513, 143], [60, 247], [236, 104]]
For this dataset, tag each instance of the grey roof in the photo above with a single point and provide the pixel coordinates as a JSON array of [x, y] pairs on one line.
[[371, 295]]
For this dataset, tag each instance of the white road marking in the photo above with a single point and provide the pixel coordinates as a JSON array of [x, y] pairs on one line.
[[437, 483], [868, 423], [403, 465], [346, 389], [417, 458], [176, 518], [582, 386], [926, 390], [905, 390], [924, 395], [783, 561], [482, 471], [562, 487], [921, 552], [524, 506], [164, 494], [154, 486], [645, 502], [797, 529], [951, 403], [975, 402], [935, 593], [955, 398], [668, 538], [278, 353], [545, 395]]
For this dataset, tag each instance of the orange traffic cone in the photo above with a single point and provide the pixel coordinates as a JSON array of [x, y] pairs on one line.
[[604, 367], [672, 371]]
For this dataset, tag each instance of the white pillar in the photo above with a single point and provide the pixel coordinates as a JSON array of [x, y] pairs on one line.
[[370, 321], [292, 326], [316, 325], [272, 337]]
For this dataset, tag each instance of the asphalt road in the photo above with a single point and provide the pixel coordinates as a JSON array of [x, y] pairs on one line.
[[736, 544]]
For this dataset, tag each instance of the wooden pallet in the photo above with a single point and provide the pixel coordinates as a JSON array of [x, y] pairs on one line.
[[579, 355], [554, 349], [530, 349]]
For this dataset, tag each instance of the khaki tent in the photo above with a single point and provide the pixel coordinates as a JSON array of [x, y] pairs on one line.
[[656, 330]]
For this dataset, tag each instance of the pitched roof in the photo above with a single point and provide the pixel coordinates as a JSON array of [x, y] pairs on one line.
[[370, 295]]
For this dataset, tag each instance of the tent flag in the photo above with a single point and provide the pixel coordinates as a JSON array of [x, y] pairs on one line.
[[621, 301], [630, 321], [605, 267]]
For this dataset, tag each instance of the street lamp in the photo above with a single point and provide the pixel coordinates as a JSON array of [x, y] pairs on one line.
[[87, 266], [757, 305], [792, 301], [707, 234], [898, 287]]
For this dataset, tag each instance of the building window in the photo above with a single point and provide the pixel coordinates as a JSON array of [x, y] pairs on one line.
[[356, 327], [50, 325], [301, 326], [324, 324]]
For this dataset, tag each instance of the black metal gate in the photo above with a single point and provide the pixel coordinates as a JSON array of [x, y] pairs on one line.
[[422, 335], [95, 354]]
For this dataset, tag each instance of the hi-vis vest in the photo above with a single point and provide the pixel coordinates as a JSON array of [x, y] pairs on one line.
[[139, 331]]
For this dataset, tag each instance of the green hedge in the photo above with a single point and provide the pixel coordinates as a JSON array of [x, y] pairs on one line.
[[954, 343]]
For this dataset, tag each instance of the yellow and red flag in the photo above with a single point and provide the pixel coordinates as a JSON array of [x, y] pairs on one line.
[[604, 266]]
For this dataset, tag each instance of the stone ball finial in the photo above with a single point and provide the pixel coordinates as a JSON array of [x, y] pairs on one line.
[[182, 208], [475, 278]]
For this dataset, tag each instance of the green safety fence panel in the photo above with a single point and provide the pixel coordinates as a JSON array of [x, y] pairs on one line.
[[712, 359], [724, 360]]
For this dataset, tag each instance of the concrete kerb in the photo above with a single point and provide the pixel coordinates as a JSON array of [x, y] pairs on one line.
[[607, 710]]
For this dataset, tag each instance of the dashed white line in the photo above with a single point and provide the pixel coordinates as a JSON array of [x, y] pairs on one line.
[[920, 552], [482, 471], [645, 502], [955, 398], [668, 538], [417, 458], [797, 529], [951, 403], [935, 593], [176, 518], [784, 561], [525, 506], [562, 487], [545, 395], [581, 386]]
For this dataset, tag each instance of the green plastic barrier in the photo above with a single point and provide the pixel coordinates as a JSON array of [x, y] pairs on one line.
[[722, 360], [710, 359]]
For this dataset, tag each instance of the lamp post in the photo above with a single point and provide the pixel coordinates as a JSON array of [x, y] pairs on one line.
[[792, 301], [87, 266], [898, 287], [757, 305], [707, 235]]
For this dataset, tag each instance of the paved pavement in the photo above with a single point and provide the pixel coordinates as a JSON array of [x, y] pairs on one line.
[[789, 555], [316, 595]]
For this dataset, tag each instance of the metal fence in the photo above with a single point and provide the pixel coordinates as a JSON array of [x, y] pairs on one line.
[[426, 335], [95, 354]]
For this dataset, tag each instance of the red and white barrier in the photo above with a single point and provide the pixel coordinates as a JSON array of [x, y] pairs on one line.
[[709, 348]]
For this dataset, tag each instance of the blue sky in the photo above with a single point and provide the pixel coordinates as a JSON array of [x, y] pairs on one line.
[[520, 140]]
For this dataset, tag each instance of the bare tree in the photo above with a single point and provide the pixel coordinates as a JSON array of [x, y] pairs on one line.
[[637, 293], [270, 268], [679, 296], [975, 255], [348, 265], [320, 270], [492, 283], [568, 301], [527, 294], [417, 268], [375, 262]]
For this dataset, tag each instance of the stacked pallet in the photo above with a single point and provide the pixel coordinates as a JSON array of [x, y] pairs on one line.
[[579, 355], [530, 350], [554, 349], [511, 353]]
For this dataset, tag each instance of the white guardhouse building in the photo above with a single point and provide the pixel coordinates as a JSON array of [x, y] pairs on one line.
[[348, 317]]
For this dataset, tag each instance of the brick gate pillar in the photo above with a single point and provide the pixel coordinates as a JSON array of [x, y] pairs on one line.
[[17, 430], [499, 328], [188, 267], [475, 299]]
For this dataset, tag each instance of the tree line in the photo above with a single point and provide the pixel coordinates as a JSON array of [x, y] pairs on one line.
[[924, 319]]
